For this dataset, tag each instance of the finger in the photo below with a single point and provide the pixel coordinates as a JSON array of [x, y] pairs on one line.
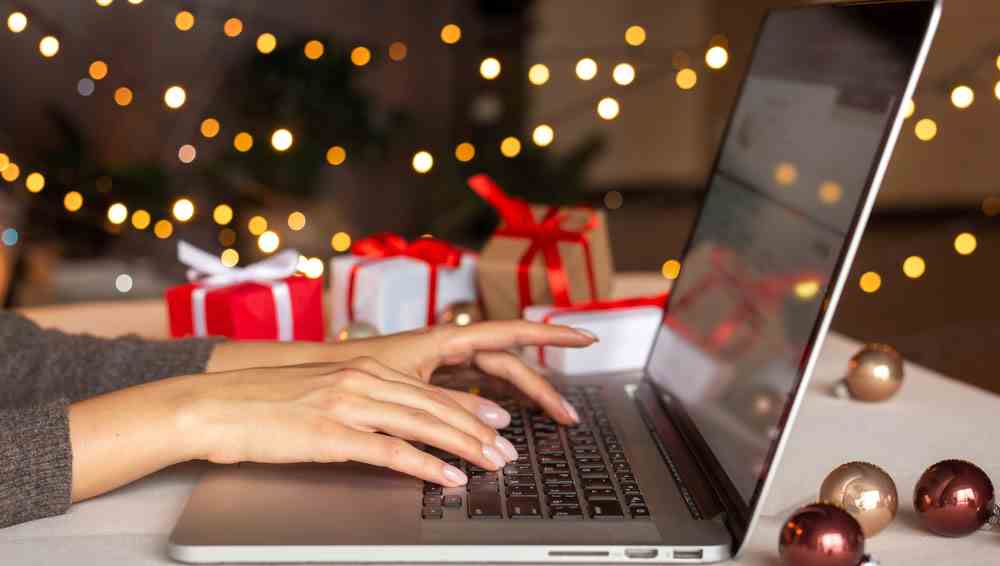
[[487, 411], [399, 455], [510, 367], [461, 343]]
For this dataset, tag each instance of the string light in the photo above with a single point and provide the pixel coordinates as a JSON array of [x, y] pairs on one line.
[[98, 70], [243, 142], [124, 283], [543, 135], [623, 74], [909, 107], [229, 257], [716, 57], [135, 2], [187, 153], [870, 281], [336, 155], [281, 139], [314, 49], [340, 242], [361, 56], [174, 97], [123, 96], [257, 225], [10, 173], [451, 34], [830, 192], [422, 162], [313, 268], [671, 269], [117, 213], [806, 289], [996, 90], [397, 51], [183, 210], [4, 161], [266, 42], [586, 69], [104, 3], [786, 174], [296, 221], [141, 219], [222, 214], [538, 74], [233, 27], [914, 267], [34, 182], [268, 242], [9, 237], [962, 97], [73, 201], [184, 20], [965, 243], [490, 68], [85, 87], [926, 129], [686, 79], [17, 22], [465, 151], [510, 147], [210, 127], [608, 108], [163, 229], [635, 36], [48, 46]]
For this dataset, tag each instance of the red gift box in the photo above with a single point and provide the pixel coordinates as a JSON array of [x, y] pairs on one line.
[[246, 303]]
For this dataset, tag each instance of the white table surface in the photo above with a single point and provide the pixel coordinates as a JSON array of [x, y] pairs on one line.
[[932, 418]]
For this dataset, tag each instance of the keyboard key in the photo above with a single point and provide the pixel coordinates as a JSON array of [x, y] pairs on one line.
[[432, 500], [597, 482], [555, 468], [594, 475], [634, 500], [554, 500], [484, 505], [605, 510], [432, 513], [639, 512], [559, 490], [523, 508], [520, 481], [617, 457], [484, 487], [517, 469], [522, 492], [626, 478], [453, 501], [585, 451], [591, 469], [600, 494], [622, 467], [589, 460], [566, 512], [433, 489]]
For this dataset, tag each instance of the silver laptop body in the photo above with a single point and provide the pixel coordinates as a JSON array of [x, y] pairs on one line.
[[701, 429]]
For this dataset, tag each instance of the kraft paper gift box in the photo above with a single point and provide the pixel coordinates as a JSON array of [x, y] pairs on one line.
[[263, 301], [541, 255], [397, 286], [626, 329]]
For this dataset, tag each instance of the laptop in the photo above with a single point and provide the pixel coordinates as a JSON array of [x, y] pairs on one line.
[[669, 464]]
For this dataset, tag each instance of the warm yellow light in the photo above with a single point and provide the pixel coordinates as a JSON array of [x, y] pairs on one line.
[[423, 161], [608, 108], [163, 229], [73, 201], [10, 173], [268, 242], [914, 266], [538, 74], [174, 97], [227, 237], [490, 68], [257, 225], [187, 153], [313, 268], [397, 51], [123, 96], [870, 282], [117, 213], [909, 107], [996, 90], [543, 135], [451, 34], [786, 174], [340, 242], [586, 69], [104, 3], [232, 27], [998, 62], [281, 139], [266, 42], [806, 289], [34, 182], [210, 127], [336, 155], [716, 57], [962, 97], [48, 46], [510, 146], [183, 210], [223, 214], [686, 79], [314, 49], [184, 20], [243, 142], [465, 151], [965, 243], [98, 70], [830, 192], [17, 22], [141, 219], [229, 257], [4, 161], [635, 36], [361, 56], [623, 74], [296, 221], [671, 269], [926, 129], [135, 2]]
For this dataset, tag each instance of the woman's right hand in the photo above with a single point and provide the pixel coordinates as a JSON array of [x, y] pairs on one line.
[[357, 410]]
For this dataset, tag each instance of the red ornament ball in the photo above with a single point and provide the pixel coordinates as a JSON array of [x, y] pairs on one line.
[[821, 535], [953, 498]]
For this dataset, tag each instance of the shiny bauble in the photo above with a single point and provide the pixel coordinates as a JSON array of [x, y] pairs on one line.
[[461, 314], [953, 498], [355, 330], [821, 535], [865, 491], [875, 373]]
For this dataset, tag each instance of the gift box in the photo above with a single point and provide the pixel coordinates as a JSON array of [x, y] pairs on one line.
[[626, 329], [263, 301], [541, 255], [396, 285]]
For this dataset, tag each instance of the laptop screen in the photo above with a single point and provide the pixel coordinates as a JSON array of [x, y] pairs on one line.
[[824, 85]]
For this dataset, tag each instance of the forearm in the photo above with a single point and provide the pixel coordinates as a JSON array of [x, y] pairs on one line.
[[229, 356], [145, 318]]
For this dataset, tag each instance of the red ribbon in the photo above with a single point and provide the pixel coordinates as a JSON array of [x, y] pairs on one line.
[[435, 253], [545, 237]]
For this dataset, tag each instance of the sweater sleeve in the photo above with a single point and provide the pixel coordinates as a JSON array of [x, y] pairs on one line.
[[36, 471]]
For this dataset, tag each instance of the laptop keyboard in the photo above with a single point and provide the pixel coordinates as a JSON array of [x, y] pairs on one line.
[[564, 472]]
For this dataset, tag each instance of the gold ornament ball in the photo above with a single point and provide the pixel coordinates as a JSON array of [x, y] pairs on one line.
[[875, 373], [461, 314], [355, 330], [865, 491]]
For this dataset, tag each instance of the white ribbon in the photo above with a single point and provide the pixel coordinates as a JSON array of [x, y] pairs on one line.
[[208, 272]]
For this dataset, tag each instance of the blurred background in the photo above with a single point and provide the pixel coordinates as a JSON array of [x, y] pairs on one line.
[[247, 127]]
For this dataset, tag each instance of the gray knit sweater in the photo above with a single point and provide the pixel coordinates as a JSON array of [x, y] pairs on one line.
[[41, 372]]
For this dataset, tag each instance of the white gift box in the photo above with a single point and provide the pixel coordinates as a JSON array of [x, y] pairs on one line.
[[625, 336], [393, 293]]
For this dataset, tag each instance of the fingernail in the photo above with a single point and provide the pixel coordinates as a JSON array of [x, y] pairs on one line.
[[586, 333], [494, 456], [454, 475], [507, 448], [571, 410], [493, 415]]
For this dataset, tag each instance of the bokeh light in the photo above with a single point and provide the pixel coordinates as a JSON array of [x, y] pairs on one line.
[[926, 129], [623, 74], [962, 97], [586, 69], [104, 3], [716, 57], [48, 46], [266, 42], [243, 142], [9, 237], [613, 200], [340, 242], [163, 229], [98, 70], [490, 68], [229, 257], [17, 22], [965, 243], [423, 161], [336, 155], [281, 139], [397, 51], [314, 49], [183, 210], [141, 219], [909, 107], [123, 96], [510, 147], [785, 174], [635, 36], [361, 56], [543, 135], [4, 161], [233, 27], [222, 214], [296, 221], [187, 153], [465, 151], [11, 172], [914, 266], [870, 282], [671, 269], [830, 192], [686, 79], [257, 225], [451, 34], [538, 74], [174, 97], [184, 20], [34, 182], [210, 127], [608, 108], [806, 289], [73, 201], [313, 268], [85, 87], [117, 213], [124, 283], [268, 242]]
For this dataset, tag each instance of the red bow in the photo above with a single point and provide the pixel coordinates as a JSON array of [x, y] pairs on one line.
[[545, 237], [432, 251]]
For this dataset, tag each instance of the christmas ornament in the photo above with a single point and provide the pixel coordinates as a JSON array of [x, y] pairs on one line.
[[355, 330], [823, 535], [462, 313], [865, 491], [874, 374], [954, 498]]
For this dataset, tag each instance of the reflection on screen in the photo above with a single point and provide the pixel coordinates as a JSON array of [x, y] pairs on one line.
[[803, 141]]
